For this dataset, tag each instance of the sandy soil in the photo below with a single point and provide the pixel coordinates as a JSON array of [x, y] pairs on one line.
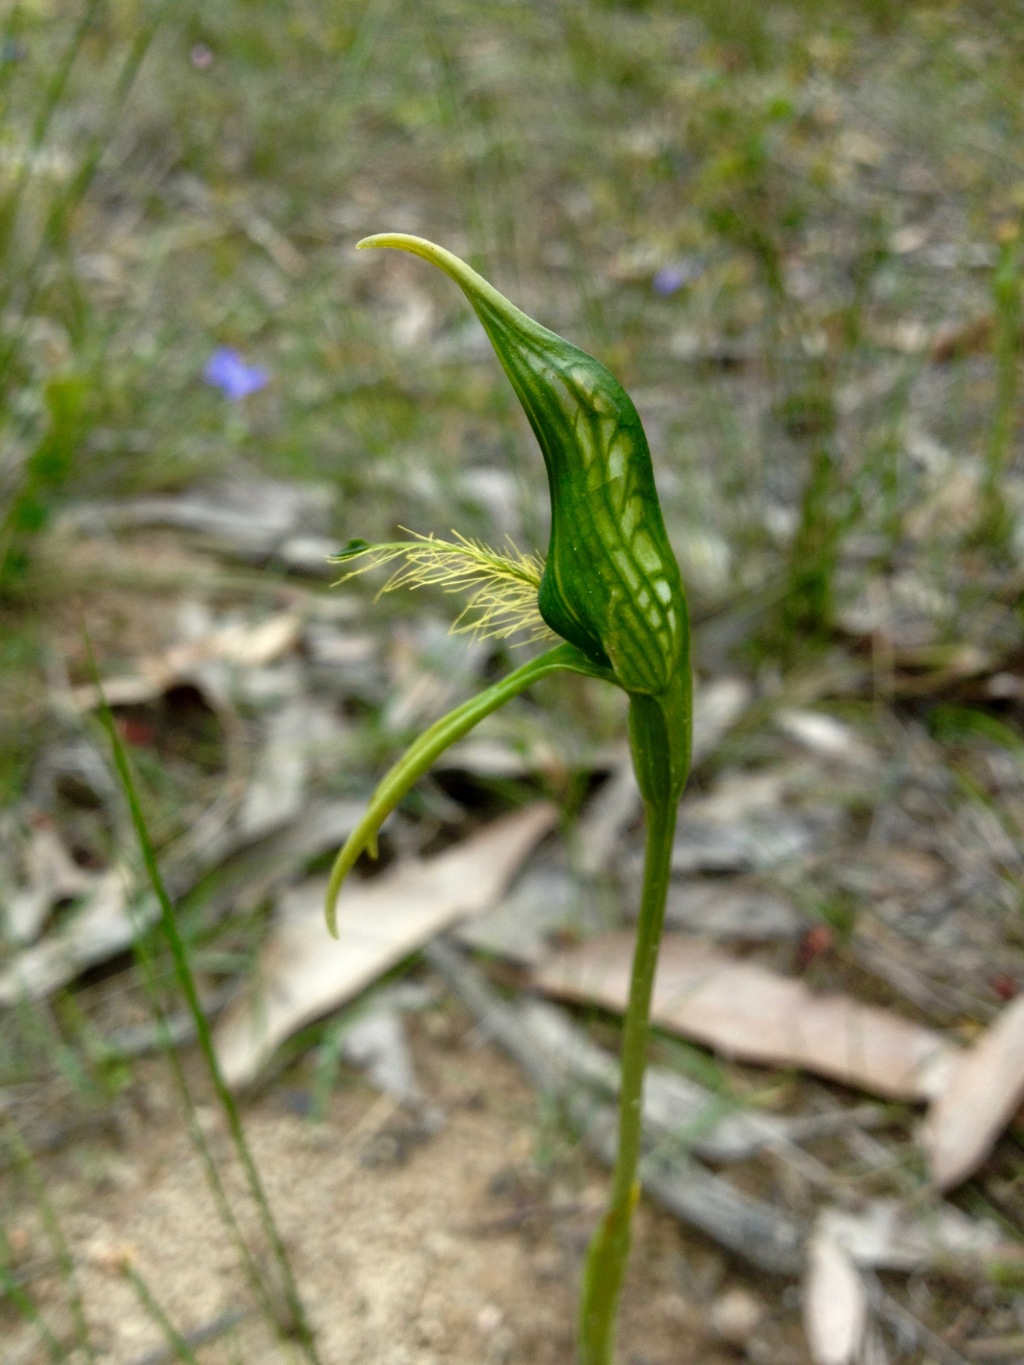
[[462, 1246]]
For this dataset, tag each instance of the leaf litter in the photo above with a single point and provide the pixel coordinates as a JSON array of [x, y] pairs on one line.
[[746, 844]]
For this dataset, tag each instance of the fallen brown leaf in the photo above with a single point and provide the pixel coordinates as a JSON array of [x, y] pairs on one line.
[[303, 973], [887, 1234], [981, 1093], [835, 1303], [246, 645], [749, 1012]]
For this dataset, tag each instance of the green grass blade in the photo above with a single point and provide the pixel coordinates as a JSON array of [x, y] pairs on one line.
[[298, 1324], [176, 1343], [52, 96], [57, 225], [11, 1290], [24, 1162]]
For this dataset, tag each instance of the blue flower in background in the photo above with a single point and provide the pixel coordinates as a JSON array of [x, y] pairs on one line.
[[227, 371], [671, 278]]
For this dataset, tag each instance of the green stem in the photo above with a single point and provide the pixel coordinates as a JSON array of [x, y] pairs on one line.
[[609, 1250]]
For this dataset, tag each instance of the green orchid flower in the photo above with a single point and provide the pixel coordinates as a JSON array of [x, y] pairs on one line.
[[610, 588]]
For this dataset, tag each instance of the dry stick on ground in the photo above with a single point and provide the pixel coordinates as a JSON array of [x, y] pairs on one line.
[[678, 1109], [1008, 1348], [199, 1336], [903, 1320], [137, 1040], [763, 1236], [240, 863]]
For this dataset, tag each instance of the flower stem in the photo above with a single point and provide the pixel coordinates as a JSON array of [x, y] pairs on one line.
[[609, 1250]]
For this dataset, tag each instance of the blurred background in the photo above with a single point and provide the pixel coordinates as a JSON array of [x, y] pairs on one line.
[[794, 234]]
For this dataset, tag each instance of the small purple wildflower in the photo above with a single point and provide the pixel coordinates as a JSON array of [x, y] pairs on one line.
[[227, 371], [671, 278]]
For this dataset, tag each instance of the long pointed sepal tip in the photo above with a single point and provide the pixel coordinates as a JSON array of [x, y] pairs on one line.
[[467, 278], [399, 239]]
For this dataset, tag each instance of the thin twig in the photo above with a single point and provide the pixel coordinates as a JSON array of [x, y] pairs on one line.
[[894, 1313], [199, 1336], [998, 1348]]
